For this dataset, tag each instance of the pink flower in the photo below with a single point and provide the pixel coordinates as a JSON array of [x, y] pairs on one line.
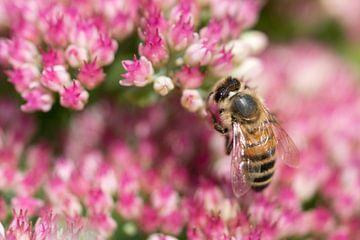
[[84, 34], [31, 205], [24, 77], [165, 200], [130, 205], [37, 99], [103, 223], [163, 85], [98, 201], [181, 34], [199, 53], [139, 72], [123, 25], [55, 78], [20, 227], [186, 9], [222, 63], [74, 96], [154, 19], [192, 100], [55, 28], [52, 57], [154, 48], [45, 226], [150, 219], [103, 50], [189, 77], [76, 56], [22, 51], [91, 74]]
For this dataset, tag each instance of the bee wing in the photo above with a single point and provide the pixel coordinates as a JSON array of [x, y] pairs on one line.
[[286, 148], [240, 167]]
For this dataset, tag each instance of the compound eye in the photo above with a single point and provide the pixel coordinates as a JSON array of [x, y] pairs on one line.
[[245, 105]]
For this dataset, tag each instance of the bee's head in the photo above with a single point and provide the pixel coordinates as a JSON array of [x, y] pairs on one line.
[[245, 106]]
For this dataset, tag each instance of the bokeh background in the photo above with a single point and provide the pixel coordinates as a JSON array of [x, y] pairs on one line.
[[136, 165]]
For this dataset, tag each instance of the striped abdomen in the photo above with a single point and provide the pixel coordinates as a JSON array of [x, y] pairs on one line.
[[260, 154]]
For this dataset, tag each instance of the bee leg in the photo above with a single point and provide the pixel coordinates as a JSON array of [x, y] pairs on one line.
[[220, 128], [228, 144]]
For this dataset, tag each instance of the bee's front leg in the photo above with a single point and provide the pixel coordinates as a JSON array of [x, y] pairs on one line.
[[218, 127], [228, 144]]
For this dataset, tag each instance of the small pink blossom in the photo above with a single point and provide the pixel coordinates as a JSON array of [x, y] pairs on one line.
[[19, 227], [55, 78], [154, 48], [103, 50], [221, 9], [55, 29], [163, 85], [91, 74], [173, 222], [154, 19], [24, 77], [31, 205], [103, 223], [122, 25], [130, 205], [150, 219], [165, 200], [84, 34], [248, 13], [52, 57], [222, 63], [45, 226], [76, 56], [186, 9], [192, 100], [189, 77], [181, 34], [250, 69], [199, 53], [107, 179], [98, 201], [139, 72], [257, 41], [22, 51], [37, 99], [74, 96]]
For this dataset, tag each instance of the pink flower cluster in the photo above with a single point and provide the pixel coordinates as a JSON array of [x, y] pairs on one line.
[[182, 48], [61, 47], [317, 97], [151, 172]]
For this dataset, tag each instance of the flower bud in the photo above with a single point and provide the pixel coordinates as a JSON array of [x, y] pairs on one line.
[[139, 72], [163, 85], [239, 50], [76, 56], [37, 98], [249, 69], [191, 100], [55, 78], [74, 96], [199, 53], [256, 40]]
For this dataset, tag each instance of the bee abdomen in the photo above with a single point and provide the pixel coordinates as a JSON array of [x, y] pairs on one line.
[[262, 169]]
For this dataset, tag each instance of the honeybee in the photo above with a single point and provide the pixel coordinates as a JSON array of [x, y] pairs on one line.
[[253, 135]]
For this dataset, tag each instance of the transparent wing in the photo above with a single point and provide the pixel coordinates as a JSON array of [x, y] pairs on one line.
[[286, 149], [240, 167]]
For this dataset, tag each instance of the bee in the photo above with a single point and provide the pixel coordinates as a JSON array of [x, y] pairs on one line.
[[253, 135]]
